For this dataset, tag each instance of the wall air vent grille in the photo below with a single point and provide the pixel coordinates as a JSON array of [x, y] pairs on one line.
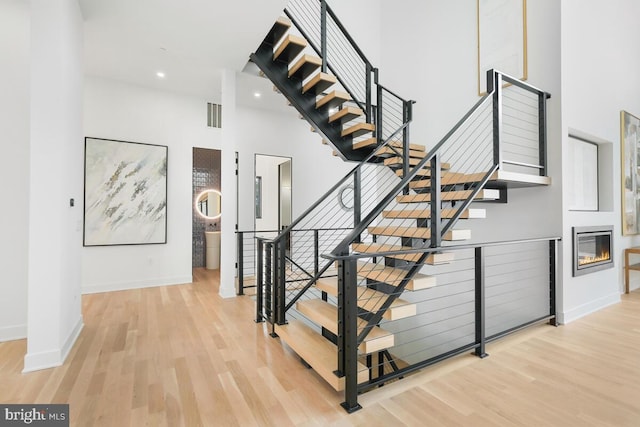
[[214, 115]]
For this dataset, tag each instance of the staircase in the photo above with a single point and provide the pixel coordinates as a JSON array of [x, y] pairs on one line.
[[332, 310]]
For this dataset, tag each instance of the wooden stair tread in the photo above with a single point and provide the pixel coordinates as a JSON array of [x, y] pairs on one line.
[[434, 258], [358, 129], [426, 214], [426, 172], [456, 178], [369, 142], [413, 161], [393, 276], [317, 351], [422, 172], [326, 314], [345, 114], [395, 151], [333, 99], [371, 300], [290, 47], [417, 232], [397, 144], [319, 83], [485, 194], [305, 66], [279, 28]]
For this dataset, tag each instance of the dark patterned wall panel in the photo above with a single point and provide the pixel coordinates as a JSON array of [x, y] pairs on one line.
[[206, 176]]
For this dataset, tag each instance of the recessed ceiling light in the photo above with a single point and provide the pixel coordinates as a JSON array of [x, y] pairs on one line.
[[160, 74], [257, 94]]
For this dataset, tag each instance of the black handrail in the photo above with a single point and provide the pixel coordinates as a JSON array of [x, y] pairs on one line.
[[322, 51], [524, 85], [393, 93], [405, 181], [349, 340], [426, 249]]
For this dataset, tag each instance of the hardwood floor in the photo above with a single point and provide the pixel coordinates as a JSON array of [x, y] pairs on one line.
[[182, 356]]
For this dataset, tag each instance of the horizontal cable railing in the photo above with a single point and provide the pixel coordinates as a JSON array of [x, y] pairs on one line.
[[483, 292], [295, 253], [246, 257], [340, 54], [522, 127], [392, 113]]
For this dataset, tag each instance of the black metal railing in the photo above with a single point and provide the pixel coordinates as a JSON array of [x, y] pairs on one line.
[[487, 292], [339, 52], [398, 203], [463, 161], [394, 201], [246, 248], [522, 126], [295, 264]]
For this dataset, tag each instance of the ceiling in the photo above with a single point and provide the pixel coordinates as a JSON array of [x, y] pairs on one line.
[[191, 41]]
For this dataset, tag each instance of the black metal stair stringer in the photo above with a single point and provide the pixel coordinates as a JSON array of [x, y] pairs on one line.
[[305, 104]]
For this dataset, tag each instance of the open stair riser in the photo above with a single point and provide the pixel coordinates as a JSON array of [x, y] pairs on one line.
[[319, 353], [326, 315], [371, 300]]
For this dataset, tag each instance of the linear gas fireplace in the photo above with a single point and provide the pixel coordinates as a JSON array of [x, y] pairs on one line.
[[592, 247]]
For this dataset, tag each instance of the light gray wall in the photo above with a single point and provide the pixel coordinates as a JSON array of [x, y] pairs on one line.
[[430, 55], [599, 78], [314, 168], [14, 166], [126, 112]]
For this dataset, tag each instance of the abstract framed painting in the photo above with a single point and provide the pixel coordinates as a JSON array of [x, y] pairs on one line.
[[125, 193], [630, 159]]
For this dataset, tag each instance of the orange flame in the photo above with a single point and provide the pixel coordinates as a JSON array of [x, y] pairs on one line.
[[584, 260]]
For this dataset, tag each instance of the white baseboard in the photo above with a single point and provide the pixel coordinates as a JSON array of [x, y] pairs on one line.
[[42, 360], [71, 338], [125, 286], [53, 358], [12, 333], [568, 316]]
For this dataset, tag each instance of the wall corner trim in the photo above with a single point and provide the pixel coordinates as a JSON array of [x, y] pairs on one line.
[[53, 358]]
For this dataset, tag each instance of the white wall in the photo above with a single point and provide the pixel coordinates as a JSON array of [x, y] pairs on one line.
[[54, 310], [126, 112], [430, 55], [599, 79], [14, 166], [314, 168], [362, 19]]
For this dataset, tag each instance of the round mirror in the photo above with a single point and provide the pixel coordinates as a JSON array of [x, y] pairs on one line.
[[345, 198], [209, 204]]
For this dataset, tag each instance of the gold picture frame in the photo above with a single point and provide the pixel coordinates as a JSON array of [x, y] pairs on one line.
[[502, 39], [630, 161]]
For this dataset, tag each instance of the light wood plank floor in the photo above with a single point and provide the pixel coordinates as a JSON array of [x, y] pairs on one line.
[[182, 356]]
